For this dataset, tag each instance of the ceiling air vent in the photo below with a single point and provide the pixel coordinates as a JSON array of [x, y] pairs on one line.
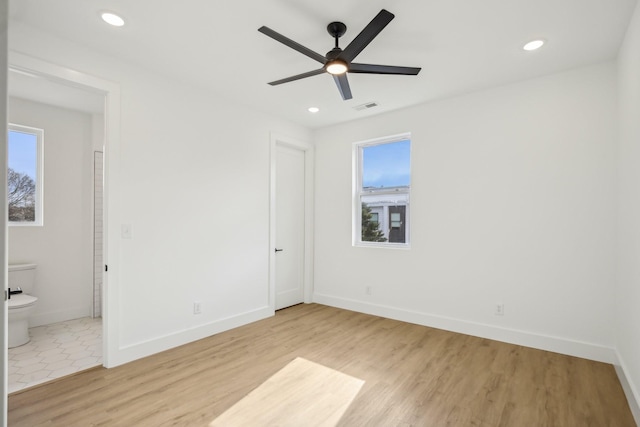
[[365, 106]]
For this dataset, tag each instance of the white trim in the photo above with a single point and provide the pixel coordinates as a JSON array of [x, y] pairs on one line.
[[4, 231], [384, 139], [277, 139], [39, 210], [111, 92], [185, 336], [49, 318], [20, 267], [561, 345], [630, 389]]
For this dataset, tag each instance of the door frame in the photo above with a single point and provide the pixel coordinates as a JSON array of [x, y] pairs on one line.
[[111, 249], [306, 147], [4, 71]]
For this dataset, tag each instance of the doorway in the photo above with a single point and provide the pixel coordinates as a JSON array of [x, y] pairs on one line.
[[108, 93], [291, 242], [72, 125]]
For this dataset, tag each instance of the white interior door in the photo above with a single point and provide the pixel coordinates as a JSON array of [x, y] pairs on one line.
[[290, 226]]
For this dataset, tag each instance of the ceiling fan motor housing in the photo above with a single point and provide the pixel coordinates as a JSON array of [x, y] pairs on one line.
[[333, 53], [336, 29]]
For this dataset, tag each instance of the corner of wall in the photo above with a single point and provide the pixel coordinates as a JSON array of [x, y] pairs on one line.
[[628, 226], [633, 396]]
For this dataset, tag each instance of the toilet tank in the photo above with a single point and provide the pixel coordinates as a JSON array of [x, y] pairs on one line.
[[23, 276]]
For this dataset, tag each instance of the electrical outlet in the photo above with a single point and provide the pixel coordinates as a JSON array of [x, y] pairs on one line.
[[499, 309], [197, 308], [368, 290]]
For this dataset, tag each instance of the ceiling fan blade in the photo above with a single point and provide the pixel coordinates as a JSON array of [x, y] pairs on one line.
[[293, 45], [383, 69], [298, 77], [343, 85], [367, 35]]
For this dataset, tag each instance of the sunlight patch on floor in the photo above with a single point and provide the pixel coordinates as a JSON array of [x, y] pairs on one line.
[[303, 393]]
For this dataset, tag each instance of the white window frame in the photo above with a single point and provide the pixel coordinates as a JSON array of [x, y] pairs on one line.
[[39, 197], [358, 192]]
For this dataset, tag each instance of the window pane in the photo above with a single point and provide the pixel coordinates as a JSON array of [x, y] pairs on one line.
[[22, 178], [371, 231], [386, 165], [395, 220]]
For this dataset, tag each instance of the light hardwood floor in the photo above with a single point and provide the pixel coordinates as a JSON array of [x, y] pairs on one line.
[[414, 376]]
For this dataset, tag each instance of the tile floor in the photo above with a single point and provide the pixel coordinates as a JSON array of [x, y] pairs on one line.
[[55, 351]]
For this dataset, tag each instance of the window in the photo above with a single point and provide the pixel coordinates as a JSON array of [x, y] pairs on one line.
[[24, 177], [382, 184], [395, 220]]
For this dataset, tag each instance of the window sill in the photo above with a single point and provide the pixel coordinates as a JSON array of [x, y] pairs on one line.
[[382, 245]]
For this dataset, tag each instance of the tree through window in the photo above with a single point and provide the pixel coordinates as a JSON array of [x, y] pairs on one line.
[[24, 175]]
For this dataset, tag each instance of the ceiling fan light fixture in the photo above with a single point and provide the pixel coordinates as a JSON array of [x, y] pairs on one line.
[[336, 67]]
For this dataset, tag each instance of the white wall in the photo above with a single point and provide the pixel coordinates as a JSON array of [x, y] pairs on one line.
[[627, 307], [512, 201], [62, 247], [193, 179]]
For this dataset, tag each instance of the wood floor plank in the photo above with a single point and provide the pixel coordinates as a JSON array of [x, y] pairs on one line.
[[414, 376]]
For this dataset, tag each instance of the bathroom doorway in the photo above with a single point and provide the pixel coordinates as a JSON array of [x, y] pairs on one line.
[[65, 337], [36, 81]]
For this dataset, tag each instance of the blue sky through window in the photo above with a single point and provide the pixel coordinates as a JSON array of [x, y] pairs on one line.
[[23, 153], [386, 165]]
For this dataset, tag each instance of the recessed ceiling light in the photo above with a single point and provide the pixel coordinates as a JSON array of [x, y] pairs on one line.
[[533, 45], [112, 19], [313, 109]]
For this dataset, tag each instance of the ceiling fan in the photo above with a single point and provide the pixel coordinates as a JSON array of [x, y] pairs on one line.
[[337, 62]]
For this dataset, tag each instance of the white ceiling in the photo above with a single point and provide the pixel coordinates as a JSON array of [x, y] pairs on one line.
[[461, 45]]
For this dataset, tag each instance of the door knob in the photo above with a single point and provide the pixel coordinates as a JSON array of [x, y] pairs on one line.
[[279, 250]]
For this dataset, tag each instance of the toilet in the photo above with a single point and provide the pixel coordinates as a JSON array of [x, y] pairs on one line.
[[21, 305]]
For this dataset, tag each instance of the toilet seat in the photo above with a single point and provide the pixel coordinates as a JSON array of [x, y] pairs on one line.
[[21, 301]]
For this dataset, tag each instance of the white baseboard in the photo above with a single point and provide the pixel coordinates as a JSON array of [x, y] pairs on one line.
[[512, 336], [136, 351], [630, 390], [58, 316]]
